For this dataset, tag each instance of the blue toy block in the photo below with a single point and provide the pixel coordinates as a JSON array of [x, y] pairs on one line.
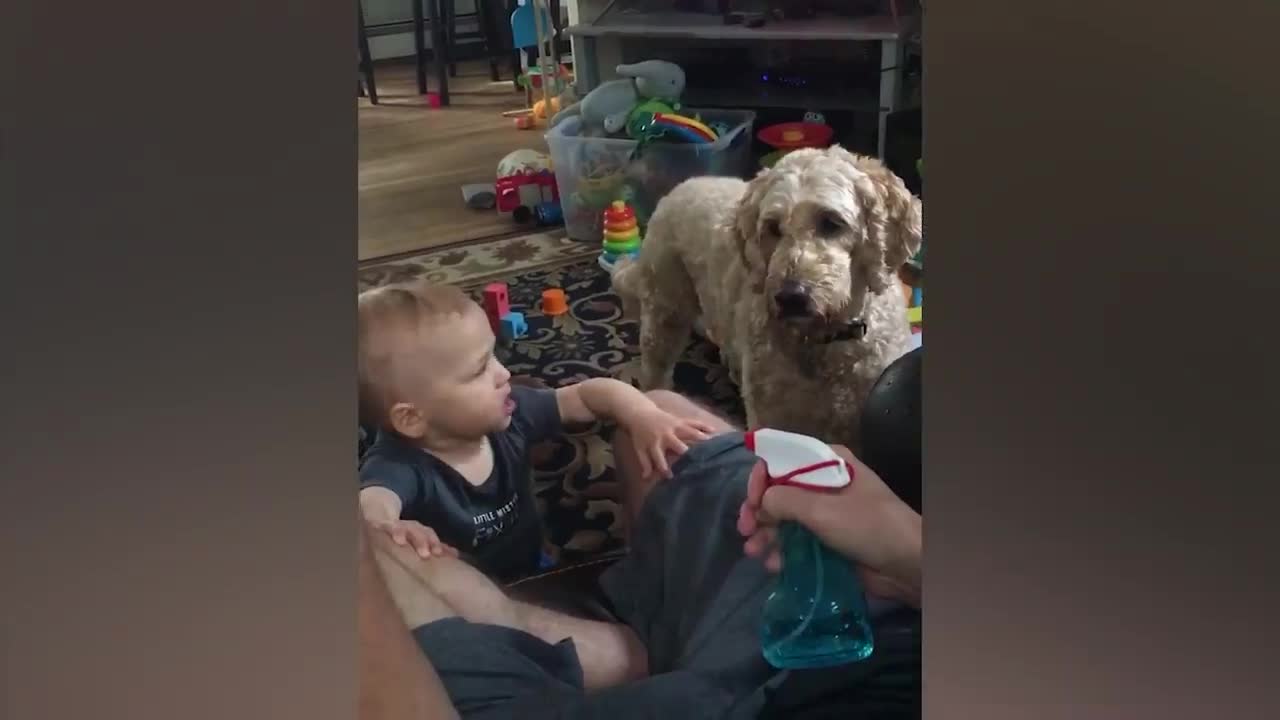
[[917, 297], [512, 326]]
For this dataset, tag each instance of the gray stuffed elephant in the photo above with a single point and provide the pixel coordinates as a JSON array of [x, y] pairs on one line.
[[607, 107]]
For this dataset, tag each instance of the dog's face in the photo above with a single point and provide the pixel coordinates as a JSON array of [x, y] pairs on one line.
[[823, 230]]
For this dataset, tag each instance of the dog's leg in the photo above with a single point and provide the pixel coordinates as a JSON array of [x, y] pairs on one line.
[[669, 304], [750, 392], [664, 333], [730, 360]]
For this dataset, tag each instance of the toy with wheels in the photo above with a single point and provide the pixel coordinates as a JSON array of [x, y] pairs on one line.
[[525, 184]]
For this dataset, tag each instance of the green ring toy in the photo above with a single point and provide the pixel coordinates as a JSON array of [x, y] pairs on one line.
[[622, 248]]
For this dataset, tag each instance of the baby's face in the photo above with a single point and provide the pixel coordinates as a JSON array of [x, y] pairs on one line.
[[467, 392]]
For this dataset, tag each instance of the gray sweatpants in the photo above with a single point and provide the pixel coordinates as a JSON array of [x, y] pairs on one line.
[[685, 589]]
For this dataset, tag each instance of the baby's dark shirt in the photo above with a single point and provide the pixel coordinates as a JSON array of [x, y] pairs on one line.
[[496, 524]]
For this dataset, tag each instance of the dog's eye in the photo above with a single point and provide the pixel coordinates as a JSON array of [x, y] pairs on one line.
[[773, 228], [829, 225]]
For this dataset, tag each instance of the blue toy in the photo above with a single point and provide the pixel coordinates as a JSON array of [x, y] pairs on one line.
[[524, 26], [512, 326], [548, 213]]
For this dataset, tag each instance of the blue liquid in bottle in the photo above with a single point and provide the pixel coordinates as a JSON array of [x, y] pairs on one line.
[[816, 615]]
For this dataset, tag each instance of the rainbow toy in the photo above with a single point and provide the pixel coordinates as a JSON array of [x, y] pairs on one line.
[[621, 234], [685, 128]]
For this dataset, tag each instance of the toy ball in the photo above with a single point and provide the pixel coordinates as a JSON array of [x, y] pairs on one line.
[[523, 162], [540, 108]]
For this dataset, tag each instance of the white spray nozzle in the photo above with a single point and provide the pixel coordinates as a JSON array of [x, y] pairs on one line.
[[795, 459]]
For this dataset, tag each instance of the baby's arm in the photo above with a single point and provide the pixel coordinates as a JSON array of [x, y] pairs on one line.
[[379, 504], [381, 507], [602, 399], [656, 434], [389, 485]]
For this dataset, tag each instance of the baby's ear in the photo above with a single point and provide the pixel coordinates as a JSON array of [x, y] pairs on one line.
[[744, 228], [408, 420]]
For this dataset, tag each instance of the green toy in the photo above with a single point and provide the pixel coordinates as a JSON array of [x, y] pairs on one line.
[[640, 119]]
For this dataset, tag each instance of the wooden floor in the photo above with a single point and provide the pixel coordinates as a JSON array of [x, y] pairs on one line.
[[414, 160]]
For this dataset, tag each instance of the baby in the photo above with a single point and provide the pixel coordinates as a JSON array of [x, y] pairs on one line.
[[449, 471]]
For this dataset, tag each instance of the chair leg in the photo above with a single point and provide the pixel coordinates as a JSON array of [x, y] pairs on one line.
[[438, 50], [553, 9], [488, 36], [419, 45], [516, 67], [450, 8], [366, 57]]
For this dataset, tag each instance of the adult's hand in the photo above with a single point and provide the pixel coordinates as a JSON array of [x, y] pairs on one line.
[[863, 521]]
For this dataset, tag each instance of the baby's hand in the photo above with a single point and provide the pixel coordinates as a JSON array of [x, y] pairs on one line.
[[658, 435], [414, 534]]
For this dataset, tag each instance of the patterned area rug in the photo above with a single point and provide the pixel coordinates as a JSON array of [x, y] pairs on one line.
[[574, 477]]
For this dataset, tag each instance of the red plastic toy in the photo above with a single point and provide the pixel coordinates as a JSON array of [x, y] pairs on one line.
[[519, 194], [496, 304], [793, 135]]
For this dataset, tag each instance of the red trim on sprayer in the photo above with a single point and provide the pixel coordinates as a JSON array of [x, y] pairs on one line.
[[749, 440], [789, 478]]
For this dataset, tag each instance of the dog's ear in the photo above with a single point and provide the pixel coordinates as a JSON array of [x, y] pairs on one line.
[[891, 218], [744, 228], [903, 224]]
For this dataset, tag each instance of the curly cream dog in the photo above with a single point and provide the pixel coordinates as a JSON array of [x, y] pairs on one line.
[[794, 276]]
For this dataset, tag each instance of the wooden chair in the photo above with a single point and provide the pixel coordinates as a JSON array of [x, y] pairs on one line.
[[368, 87]]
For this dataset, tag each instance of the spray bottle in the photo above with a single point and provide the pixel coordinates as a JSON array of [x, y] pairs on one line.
[[816, 615]]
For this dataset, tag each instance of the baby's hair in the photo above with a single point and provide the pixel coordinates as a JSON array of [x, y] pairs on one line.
[[387, 319]]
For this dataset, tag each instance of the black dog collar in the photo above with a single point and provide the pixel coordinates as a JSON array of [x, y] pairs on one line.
[[854, 330]]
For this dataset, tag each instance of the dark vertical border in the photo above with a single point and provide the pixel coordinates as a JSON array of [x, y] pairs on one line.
[[179, 248], [179, 228], [1101, 245]]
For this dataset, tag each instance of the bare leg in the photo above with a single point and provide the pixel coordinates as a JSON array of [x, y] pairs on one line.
[[396, 681], [417, 602], [610, 653], [636, 485]]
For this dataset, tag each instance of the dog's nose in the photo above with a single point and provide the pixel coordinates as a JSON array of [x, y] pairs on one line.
[[793, 300]]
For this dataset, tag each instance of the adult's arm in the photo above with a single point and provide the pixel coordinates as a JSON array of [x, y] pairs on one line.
[[864, 521]]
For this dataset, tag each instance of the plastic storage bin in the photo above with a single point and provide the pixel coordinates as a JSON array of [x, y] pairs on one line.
[[592, 172]]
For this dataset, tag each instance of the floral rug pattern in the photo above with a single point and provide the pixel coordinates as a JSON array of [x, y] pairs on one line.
[[478, 262], [574, 477]]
